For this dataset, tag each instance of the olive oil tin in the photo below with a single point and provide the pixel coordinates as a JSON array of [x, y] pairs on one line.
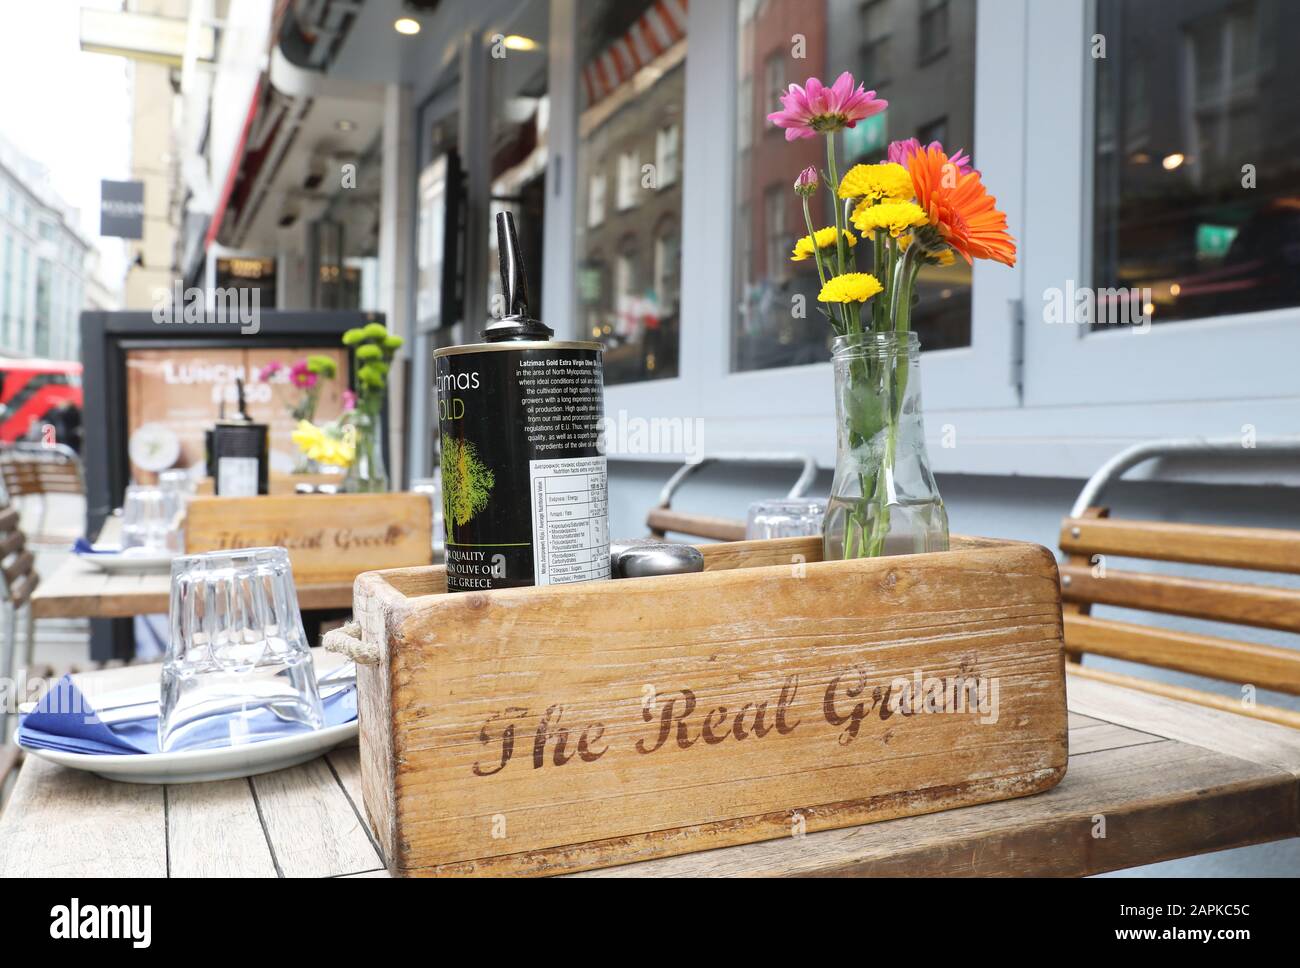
[[523, 464]]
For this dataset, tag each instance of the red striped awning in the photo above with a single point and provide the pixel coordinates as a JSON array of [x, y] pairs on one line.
[[658, 29]]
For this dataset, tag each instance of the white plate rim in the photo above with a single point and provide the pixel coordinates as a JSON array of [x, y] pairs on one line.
[[111, 562], [192, 766]]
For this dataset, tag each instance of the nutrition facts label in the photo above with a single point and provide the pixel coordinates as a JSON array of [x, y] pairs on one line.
[[570, 520]]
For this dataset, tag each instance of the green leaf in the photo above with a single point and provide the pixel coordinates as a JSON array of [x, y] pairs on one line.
[[866, 414]]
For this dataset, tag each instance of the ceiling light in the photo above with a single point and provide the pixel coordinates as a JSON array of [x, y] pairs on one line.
[[345, 125], [516, 42], [1170, 162], [406, 25]]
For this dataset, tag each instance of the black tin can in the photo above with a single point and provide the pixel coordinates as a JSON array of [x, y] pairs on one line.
[[239, 454], [523, 466]]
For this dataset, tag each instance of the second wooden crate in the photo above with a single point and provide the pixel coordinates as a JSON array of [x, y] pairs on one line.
[[330, 537]]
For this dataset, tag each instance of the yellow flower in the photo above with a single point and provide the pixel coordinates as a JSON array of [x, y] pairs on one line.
[[825, 238], [944, 258], [897, 217], [306, 435], [850, 287], [320, 446], [885, 180]]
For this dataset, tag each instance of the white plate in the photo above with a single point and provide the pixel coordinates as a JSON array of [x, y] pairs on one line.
[[199, 766], [121, 563]]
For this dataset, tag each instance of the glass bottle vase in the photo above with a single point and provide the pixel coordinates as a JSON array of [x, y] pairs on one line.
[[884, 500], [366, 473]]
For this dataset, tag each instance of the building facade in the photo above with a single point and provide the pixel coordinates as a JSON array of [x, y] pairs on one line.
[[44, 263]]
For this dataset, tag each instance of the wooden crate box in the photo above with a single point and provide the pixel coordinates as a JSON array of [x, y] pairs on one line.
[[543, 730], [330, 537]]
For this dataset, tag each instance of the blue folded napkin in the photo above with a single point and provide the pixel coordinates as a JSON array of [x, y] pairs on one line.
[[83, 547], [65, 721]]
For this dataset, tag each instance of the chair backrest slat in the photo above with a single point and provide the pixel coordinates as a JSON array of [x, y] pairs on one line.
[[662, 521], [1260, 549], [1265, 666], [1088, 581], [1221, 601], [17, 566], [36, 469]]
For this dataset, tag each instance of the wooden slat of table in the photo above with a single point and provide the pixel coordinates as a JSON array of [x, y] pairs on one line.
[[311, 824], [64, 823], [1212, 729], [1160, 800], [1170, 780], [213, 830], [76, 590]]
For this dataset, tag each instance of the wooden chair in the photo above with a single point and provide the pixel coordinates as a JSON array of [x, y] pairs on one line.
[[1090, 535], [18, 579], [39, 470], [663, 519]]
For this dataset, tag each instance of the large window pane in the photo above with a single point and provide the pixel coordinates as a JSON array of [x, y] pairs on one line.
[[1197, 159], [632, 58], [918, 56]]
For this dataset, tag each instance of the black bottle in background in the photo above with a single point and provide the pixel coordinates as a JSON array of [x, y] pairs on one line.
[[240, 454]]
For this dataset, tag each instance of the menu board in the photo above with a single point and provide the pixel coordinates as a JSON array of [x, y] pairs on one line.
[[174, 396]]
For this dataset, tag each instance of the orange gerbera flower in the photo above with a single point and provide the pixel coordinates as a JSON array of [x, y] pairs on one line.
[[961, 208]]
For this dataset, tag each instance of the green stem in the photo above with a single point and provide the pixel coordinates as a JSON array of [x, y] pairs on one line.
[[812, 236], [841, 247], [878, 306]]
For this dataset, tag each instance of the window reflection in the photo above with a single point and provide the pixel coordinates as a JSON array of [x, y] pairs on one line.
[[920, 56], [632, 61], [518, 138], [1197, 171]]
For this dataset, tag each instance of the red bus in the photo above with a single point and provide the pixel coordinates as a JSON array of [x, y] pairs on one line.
[[36, 392]]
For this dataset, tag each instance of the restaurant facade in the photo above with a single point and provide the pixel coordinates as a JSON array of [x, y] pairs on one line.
[[1150, 180]]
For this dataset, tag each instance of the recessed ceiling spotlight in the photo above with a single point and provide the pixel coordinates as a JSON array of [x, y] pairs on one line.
[[345, 125], [1170, 162], [406, 25]]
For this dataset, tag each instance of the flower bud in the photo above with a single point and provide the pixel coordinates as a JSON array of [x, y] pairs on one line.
[[807, 182]]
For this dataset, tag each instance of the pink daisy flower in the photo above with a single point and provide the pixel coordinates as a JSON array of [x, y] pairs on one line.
[[817, 109], [901, 152], [301, 376]]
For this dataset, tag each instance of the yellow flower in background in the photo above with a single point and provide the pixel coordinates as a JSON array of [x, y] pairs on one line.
[[875, 182], [895, 217], [307, 435], [321, 446], [945, 258], [850, 287], [825, 239]]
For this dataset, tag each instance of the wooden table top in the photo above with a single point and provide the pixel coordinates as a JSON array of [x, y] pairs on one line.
[[1150, 779], [76, 590]]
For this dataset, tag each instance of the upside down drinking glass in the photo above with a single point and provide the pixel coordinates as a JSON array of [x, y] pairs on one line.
[[238, 669]]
